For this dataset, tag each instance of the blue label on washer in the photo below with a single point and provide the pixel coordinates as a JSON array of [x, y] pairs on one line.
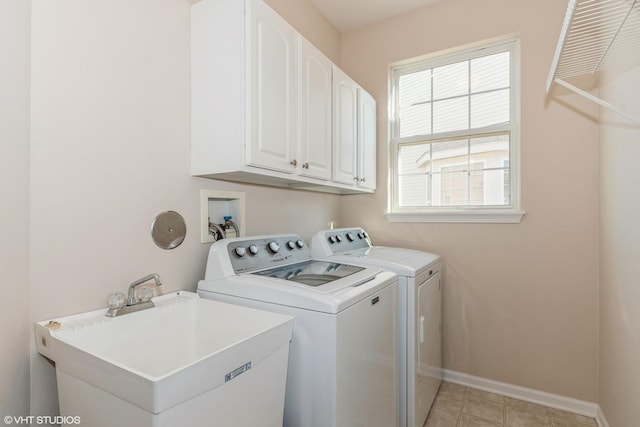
[[238, 371]]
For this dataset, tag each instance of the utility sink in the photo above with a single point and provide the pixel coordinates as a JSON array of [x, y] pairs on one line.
[[179, 363]]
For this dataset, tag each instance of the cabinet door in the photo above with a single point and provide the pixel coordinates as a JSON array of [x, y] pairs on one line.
[[366, 140], [314, 149], [272, 90], [345, 136]]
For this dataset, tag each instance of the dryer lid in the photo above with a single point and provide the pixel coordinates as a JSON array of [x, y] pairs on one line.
[[405, 262]]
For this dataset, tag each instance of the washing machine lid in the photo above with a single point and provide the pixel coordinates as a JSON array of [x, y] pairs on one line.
[[331, 297], [311, 273], [404, 262], [261, 268]]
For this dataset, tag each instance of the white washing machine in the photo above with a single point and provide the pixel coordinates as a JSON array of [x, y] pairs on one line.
[[343, 369], [419, 311]]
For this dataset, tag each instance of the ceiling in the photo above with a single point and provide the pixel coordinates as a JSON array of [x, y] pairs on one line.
[[351, 14]]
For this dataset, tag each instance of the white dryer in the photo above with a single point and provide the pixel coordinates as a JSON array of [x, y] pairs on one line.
[[343, 367], [419, 311]]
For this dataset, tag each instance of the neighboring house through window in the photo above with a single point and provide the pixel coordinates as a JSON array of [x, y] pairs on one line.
[[454, 136]]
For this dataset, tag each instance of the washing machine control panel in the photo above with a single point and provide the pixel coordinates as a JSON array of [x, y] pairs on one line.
[[257, 253], [345, 239]]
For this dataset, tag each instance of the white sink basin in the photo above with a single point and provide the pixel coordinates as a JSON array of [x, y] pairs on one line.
[[160, 357]]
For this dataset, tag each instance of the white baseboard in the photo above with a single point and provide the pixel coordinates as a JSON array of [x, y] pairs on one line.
[[600, 419], [556, 401]]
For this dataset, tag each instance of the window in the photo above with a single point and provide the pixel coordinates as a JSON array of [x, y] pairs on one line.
[[454, 138]]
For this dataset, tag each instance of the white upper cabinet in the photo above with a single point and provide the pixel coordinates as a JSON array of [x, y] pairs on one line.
[[354, 139], [315, 138], [273, 90], [266, 108], [345, 130], [366, 140]]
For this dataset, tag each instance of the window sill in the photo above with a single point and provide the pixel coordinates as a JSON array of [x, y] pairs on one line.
[[468, 216]]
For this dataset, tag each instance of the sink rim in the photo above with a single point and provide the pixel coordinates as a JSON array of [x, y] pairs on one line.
[[84, 321], [158, 393]]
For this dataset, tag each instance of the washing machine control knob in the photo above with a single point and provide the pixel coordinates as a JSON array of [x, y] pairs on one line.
[[299, 244], [240, 251], [332, 239], [350, 236], [253, 250], [339, 239], [274, 246], [291, 244]]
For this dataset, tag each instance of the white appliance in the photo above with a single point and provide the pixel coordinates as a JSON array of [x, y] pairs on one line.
[[343, 355], [419, 311]]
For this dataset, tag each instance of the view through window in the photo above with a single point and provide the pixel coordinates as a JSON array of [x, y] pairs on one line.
[[453, 131]]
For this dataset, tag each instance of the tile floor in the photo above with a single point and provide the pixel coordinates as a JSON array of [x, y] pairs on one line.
[[460, 406]]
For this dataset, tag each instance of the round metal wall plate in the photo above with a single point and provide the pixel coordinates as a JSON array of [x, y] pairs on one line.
[[168, 230]]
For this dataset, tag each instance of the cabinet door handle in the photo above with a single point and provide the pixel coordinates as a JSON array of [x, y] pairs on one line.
[[363, 180], [293, 162], [355, 178], [305, 165]]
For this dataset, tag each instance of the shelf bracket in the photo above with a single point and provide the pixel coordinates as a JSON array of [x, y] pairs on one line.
[[597, 100]]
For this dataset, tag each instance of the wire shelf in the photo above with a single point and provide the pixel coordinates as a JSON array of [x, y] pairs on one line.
[[596, 35]]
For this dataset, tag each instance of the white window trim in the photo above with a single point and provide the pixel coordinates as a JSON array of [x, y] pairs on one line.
[[486, 216], [506, 215]]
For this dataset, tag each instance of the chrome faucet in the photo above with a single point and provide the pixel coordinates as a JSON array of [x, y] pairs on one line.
[[131, 298], [117, 304]]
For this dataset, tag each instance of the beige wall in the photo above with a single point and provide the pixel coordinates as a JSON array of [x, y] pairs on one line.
[[520, 301], [620, 253], [14, 215], [110, 150], [308, 21]]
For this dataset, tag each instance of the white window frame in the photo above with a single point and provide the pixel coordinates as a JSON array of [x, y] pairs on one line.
[[475, 214]]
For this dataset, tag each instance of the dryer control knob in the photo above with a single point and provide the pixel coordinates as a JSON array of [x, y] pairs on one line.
[[274, 246], [350, 236], [240, 251], [339, 239], [253, 250], [332, 239], [299, 244], [291, 244]]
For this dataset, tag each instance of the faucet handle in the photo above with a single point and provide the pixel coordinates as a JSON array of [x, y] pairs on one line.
[[116, 300], [144, 294]]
